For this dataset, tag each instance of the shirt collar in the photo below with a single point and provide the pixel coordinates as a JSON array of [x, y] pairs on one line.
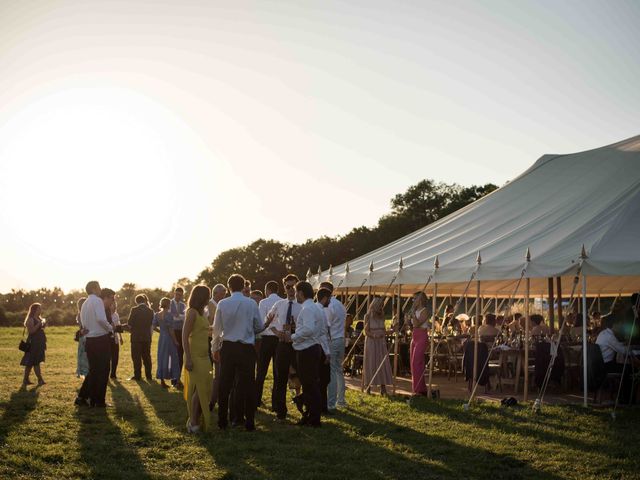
[[235, 294], [274, 295], [308, 301]]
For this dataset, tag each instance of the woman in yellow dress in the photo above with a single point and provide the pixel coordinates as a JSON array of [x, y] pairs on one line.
[[197, 366]]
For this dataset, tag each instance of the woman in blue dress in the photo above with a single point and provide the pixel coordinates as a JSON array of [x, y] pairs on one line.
[[168, 365]]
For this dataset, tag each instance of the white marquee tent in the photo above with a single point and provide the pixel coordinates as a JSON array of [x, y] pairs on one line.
[[559, 205]]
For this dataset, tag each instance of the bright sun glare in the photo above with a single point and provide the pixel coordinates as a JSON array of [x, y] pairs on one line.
[[88, 152]]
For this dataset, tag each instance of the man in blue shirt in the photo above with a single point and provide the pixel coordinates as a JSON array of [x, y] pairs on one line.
[[236, 323]]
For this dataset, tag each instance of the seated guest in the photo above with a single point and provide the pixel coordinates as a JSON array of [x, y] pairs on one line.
[[611, 347], [538, 327], [488, 327], [348, 326], [576, 329], [450, 320], [596, 319], [516, 324], [475, 321], [499, 321]]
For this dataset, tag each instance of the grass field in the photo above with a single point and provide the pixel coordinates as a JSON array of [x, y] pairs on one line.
[[42, 435]]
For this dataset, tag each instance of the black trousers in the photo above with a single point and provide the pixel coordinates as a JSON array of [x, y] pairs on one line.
[[94, 386], [237, 359], [285, 357], [178, 333], [115, 356], [266, 355], [141, 353], [626, 394], [309, 373], [325, 379], [236, 404]]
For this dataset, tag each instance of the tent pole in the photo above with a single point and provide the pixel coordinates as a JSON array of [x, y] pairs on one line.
[[495, 307], [550, 306], [357, 306], [599, 309], [397, 338], [584, 337], [466, 304], [526, 341], [559, 292], [432, 336], [363, 359], [476, 333]]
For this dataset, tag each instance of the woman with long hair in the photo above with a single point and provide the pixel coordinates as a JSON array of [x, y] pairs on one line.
[[35, 326], [197, 366], [419, 337], [82, 362], [377, 368], [168, 366]]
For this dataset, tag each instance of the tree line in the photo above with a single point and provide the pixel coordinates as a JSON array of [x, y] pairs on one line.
[[264, 260]]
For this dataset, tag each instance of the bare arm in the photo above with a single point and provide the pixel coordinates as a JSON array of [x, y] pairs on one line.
[[33, 325]]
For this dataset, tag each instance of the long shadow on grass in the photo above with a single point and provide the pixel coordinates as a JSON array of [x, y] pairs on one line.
[[509, 421], [169, 405], [460, 461], [16, 410], [104, 448]]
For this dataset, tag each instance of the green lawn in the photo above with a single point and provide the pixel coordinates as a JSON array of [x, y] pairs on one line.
[[42, 435]]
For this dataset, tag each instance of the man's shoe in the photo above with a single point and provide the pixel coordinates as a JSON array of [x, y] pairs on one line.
[[281, 420], [303, 421], [134, 379], [222, 425], [81, 402], [101, 405], [149, 379], [250, 427]]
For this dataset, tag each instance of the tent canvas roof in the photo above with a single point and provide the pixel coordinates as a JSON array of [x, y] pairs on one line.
[[558, 205]]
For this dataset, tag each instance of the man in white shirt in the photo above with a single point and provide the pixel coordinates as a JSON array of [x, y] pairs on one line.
[[310, 328], [336, 316], [611, 348], [268, 343], [323, 303], [236, 323], [488, 327], [284, 316], [98, 346]]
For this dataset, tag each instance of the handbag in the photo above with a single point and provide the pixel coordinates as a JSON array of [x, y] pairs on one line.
[[25, 345]]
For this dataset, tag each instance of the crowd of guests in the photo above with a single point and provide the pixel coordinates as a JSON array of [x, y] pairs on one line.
[[219, 345], [218, 348]]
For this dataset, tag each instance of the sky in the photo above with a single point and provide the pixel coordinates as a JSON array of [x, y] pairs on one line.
[[139, 139]]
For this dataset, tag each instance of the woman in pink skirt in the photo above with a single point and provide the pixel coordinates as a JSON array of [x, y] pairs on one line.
[[419, 337]]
